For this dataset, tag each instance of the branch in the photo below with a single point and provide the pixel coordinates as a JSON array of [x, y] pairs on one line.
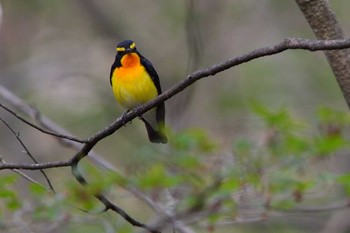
[[325, 25], [36, 166]]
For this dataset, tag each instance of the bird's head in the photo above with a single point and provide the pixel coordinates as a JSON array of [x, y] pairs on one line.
[[125, 47]]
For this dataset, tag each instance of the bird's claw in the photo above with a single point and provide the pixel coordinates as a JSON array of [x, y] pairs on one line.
[[123, 118]]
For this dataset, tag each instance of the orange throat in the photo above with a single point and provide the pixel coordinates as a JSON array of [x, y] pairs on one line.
[[130, 60]]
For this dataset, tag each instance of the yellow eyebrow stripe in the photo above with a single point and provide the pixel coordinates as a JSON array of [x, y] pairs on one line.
[[120, 49], [132, 45]]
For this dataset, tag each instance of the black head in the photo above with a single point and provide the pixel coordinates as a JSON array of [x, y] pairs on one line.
[[126, 46]]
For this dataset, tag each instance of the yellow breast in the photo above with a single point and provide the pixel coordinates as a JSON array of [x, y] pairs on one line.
[[131, 83]]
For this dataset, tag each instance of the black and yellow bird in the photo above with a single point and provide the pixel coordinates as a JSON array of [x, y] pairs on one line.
[[135, 81]]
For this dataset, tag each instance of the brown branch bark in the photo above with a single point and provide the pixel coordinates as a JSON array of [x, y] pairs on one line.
[[36, 166], [325, 25]]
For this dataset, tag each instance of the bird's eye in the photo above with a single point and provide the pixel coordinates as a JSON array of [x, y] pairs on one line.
[[132, 45]]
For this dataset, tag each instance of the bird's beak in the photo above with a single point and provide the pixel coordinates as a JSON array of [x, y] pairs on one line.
[[128, 50]]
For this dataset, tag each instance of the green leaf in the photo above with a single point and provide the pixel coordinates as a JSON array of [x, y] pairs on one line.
[[10, 196], [327, 144], [280, 120], [193, 139], [330, 116], [228, 186], [157, 177], [6, 193], [8, 179], [243, 146], [187, 161], [344, 180], [37, 190], [82, 196], [296, 144], [304, 185], [283, 204], [11, 199], [13, 204]]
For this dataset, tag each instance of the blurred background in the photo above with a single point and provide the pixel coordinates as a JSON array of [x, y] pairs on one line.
[[56, 55]]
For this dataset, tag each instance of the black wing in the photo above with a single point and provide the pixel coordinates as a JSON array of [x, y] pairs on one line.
[[153, 73]]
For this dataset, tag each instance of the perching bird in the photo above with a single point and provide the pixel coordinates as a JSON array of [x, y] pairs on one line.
[[135, 82]]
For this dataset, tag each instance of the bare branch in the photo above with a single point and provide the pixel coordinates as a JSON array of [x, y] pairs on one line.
[[36, 166]]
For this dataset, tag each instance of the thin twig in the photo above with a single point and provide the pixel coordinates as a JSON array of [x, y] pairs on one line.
[[40, 128], [27, 152]]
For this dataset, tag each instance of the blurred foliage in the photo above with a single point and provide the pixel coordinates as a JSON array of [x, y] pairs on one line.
[[8, 194], [270, 174]]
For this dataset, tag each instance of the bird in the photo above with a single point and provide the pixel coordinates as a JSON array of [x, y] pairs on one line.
[[134, 82]]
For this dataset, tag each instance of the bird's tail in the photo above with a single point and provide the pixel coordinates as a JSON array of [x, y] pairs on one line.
[[155, 136]]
